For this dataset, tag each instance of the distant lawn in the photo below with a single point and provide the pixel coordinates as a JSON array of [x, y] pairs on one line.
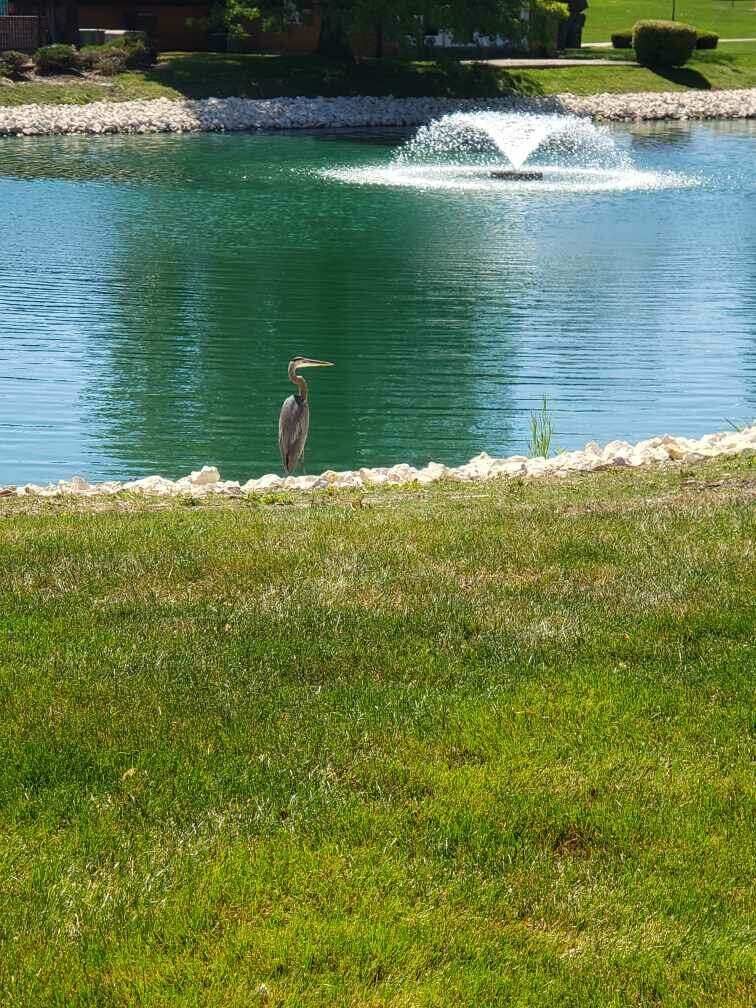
[[729, 19], [205, 75], [467, 747]]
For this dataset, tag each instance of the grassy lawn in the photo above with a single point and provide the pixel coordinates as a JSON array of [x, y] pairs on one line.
[[203, 75], [730, 66], [729, 18], [472, 746], [123, 87], [213, 75]]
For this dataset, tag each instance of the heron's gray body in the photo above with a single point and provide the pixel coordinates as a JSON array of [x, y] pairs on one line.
[[294, 419], [293, 425]]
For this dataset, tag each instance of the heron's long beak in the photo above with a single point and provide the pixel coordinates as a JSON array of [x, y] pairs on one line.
[[307, 362]]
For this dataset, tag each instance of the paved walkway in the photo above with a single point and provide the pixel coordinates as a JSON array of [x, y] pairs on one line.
[[608, 45], [556, 64]]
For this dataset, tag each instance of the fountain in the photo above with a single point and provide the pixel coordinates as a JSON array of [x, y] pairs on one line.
[[474, 136], [528, 151]]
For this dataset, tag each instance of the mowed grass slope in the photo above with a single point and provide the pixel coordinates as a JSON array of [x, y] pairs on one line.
[[477, 746], [214, 75]]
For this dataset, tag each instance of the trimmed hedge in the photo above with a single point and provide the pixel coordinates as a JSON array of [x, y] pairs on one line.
[[663, 43], [623, 39], [707, 40], [58, 58]]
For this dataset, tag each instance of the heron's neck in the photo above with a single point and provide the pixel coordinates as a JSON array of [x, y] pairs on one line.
[[299, 382]]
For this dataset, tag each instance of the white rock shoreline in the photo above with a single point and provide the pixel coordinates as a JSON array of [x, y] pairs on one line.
[[616, 454], [219, 115]]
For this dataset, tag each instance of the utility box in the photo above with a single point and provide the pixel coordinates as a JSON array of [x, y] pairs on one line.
[[91, 36]]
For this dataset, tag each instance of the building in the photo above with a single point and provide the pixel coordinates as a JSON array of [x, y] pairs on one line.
[[172, 24]]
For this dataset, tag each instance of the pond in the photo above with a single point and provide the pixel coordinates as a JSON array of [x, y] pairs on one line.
[[154, 288]]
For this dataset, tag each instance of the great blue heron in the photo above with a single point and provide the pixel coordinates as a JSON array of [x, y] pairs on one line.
[[294, 421]]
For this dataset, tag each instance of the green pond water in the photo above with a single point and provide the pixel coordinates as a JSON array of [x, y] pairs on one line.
[[153, 290]]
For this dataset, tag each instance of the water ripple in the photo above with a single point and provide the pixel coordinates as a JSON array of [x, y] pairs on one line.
[[152, 291]]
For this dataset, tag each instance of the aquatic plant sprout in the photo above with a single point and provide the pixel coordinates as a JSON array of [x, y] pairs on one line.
[[541, 431]]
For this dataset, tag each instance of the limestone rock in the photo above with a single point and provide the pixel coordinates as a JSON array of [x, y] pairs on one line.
[[205, 476], [162, 115], [658, 450]]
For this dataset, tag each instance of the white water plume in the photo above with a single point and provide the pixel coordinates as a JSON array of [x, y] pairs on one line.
[[466, 150], [476, 136]]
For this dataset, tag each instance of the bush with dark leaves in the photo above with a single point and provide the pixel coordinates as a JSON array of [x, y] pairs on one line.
[[707, 40], [14, 64], [103, 59], [623, 39], [55, 59]]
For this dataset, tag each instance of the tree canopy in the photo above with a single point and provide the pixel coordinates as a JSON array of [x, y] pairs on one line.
[[390, 19]]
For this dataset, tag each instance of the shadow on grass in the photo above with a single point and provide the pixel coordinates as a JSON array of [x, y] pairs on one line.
[[684, 76], [256, 75], [707, 69]]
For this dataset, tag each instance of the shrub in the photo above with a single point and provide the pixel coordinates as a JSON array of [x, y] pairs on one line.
[[707, 40], [131, 52], [474, 80], [14, 64], [57, 58], [623, 39], [663, 43], [104, 59], [543, 26], [139, 53]]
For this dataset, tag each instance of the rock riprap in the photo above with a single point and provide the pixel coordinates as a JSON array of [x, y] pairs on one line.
[[164, 115], [649, 107], [483, 467]]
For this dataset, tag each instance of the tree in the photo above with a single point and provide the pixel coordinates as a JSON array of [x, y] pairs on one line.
[[387, 19], [392, 19], [231, 18]]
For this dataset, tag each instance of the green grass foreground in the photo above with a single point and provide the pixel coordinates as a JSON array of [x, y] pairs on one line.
[[206, 75], [468, 746]]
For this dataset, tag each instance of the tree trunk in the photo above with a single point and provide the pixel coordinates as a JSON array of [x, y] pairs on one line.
[[332, 40], [51, 27], [71, 21], [63, 21], [379, 40]]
